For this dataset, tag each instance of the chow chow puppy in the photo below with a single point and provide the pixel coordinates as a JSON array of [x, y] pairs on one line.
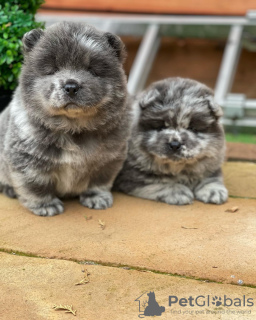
[[177, 145], [65, 131]]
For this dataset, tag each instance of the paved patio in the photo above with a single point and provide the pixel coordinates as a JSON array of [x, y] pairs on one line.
[[133, 248]]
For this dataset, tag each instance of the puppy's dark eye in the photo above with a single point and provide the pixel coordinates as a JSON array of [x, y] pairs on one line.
[[93, 72], [51, 71], [193, 129], [158, 126], [202, 129]]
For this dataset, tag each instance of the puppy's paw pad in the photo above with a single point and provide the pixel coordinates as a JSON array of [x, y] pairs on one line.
[[216, 194], [49, 209], [96, 199], [8, 191]]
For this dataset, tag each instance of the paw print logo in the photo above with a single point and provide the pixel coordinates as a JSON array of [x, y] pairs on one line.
[[216, 301]]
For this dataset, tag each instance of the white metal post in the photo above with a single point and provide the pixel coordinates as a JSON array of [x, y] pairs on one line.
[[144, 59], [229, 63]]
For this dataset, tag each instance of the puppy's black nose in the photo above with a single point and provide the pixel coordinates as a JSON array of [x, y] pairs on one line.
[[71, 88], [175, 145]]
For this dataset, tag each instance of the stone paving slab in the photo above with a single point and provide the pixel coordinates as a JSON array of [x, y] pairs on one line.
[[197, 240], [240, 178], [30, 287]]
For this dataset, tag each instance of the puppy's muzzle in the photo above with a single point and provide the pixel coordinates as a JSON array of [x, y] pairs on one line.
[[71, 88], [175, 145]]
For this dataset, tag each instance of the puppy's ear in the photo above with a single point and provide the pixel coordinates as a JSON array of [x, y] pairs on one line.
[[116, 43], [214, 107], [148, 97], [30, 39]]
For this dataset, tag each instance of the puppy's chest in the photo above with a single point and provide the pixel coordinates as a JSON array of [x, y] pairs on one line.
[[185, 179], [68, 169], [188, 179], [176, 174], [76, 167], [72, 174]]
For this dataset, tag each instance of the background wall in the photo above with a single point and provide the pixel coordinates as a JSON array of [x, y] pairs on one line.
[[198, 59], [222, 7]]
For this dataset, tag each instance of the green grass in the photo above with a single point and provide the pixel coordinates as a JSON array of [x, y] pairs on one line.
[[241, 137]]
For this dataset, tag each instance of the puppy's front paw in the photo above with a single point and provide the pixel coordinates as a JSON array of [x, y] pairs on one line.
[[212, 193], [8, 191], [48, 209], [178, 194], [96, 199]]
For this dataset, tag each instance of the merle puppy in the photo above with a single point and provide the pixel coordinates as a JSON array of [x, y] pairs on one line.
[[177, 145], [65, 130]]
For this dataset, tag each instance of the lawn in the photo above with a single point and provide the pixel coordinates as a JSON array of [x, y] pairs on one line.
[[241, 137]]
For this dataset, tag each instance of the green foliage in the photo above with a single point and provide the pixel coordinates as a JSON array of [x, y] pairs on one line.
[[29, 6], [241, 137], [16, 18]]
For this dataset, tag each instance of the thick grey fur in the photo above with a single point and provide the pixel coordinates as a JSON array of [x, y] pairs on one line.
[[53, 145], [184, 111]]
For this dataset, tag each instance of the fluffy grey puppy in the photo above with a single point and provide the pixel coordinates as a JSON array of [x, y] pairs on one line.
[[65, 131], [177, 145]]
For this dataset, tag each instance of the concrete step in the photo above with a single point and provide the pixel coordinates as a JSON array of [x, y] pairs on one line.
[[30, 287]]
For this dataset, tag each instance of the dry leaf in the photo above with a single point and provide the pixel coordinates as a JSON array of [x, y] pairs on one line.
[[187, 227], [68, 309], [102, 224], [85, 279], [233, 209], [88, 218]]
